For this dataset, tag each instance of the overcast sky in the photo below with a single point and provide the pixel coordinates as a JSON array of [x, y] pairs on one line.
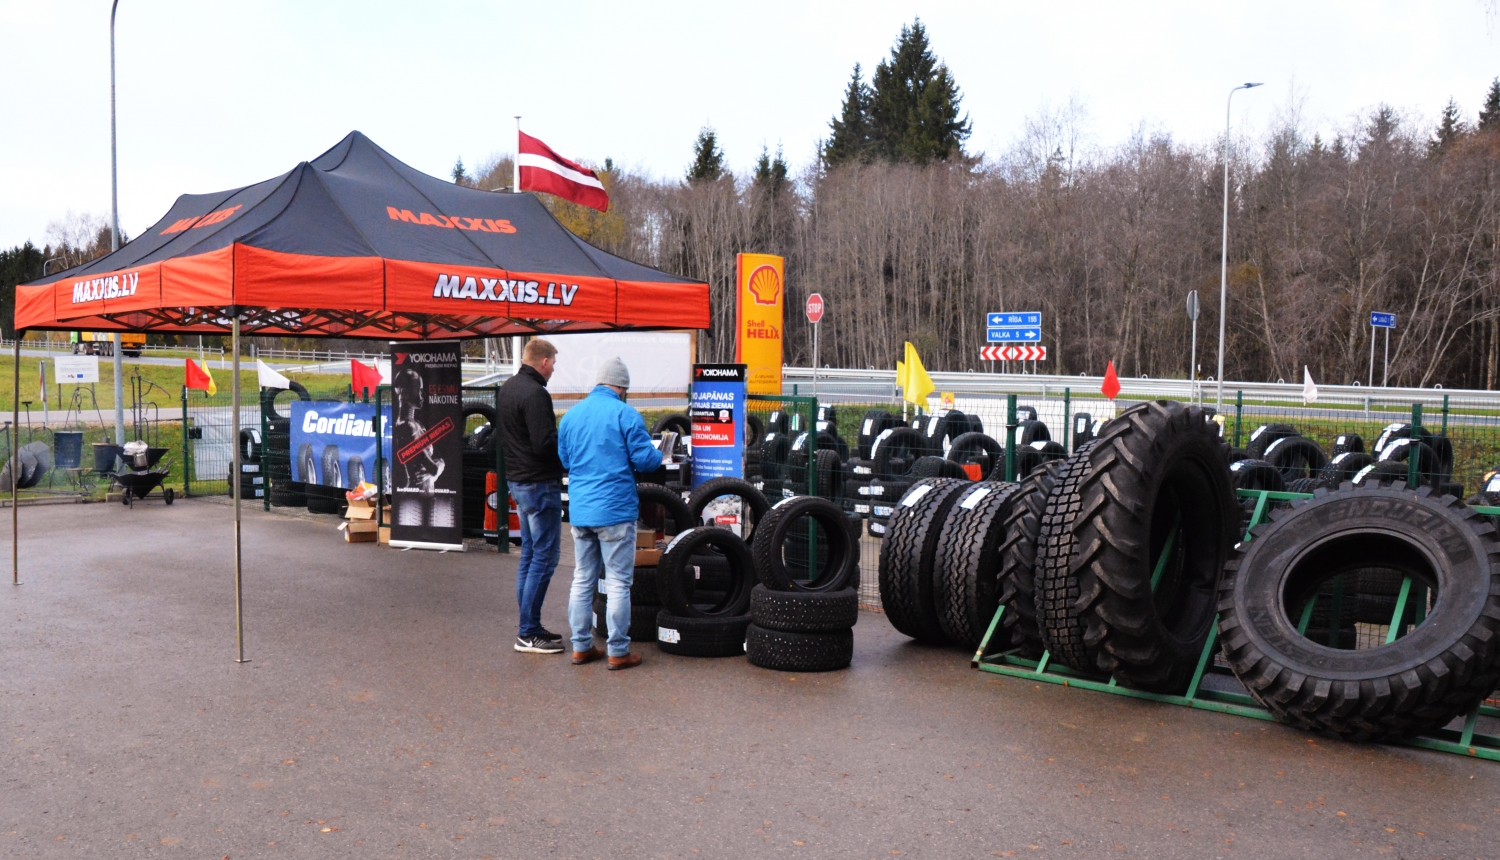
[[217, 95]]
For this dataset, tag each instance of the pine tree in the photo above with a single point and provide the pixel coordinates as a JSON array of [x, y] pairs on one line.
[[17, 266], [460, 176], [1489, 115], [913, 112], [1450, 128], [708, 158], [770, 174], [850, 140]]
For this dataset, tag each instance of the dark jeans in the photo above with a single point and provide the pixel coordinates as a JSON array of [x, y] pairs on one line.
[[540, 508]]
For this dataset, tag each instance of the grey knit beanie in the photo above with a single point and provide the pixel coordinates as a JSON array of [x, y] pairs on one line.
[[613, 372]]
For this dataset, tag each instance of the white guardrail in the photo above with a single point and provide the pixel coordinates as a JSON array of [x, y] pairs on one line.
[[881, 385]]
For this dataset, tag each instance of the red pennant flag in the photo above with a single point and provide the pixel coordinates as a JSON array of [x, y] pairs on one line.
[[362, 378], [1111, 385], [542, 169], [199, 378]]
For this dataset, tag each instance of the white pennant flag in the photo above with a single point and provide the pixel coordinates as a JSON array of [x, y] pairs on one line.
[[270, 378], [1309, 390]]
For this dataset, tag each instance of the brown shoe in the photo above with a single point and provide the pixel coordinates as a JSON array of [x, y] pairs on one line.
[[589, 656], [624, 662]]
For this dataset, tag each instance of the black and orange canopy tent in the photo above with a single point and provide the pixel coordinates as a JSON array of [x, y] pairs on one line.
[[354, 244], [357, 244]]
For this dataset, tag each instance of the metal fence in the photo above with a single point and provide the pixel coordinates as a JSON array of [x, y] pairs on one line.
[[1449, 441]]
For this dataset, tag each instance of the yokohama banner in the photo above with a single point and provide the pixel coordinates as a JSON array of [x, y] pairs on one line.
[[427, 445], [762, 297]]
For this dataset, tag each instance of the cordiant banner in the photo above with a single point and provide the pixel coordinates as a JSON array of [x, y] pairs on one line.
[[333, 444], [427, 445], [762, 297]]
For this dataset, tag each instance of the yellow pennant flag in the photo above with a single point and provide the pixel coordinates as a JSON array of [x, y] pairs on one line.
[[901, 375], [917, 384]]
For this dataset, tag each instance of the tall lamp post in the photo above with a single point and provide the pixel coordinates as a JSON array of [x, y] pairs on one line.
[[1224, 250], [114, 228]]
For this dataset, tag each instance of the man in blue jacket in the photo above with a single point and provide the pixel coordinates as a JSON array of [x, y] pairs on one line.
[[603, 443]]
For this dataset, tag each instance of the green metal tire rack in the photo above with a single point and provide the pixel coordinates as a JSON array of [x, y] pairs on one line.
[[1410, 606]]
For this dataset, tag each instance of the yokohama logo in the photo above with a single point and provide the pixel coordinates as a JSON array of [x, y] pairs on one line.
[[1013, 353], [503, 290], [112, 287]]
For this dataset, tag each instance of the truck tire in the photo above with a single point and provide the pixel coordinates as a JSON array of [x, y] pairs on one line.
[[968, 562], [1063, 628], [1416, 684], [1158, 465], [1022, 533], [907, 555]]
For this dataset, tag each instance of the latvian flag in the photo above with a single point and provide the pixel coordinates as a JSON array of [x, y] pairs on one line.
[[544, 170]]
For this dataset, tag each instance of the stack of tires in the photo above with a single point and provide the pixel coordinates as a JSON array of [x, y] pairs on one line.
[[704, 613], [252, 480], [663, 513], [892, 454], [774, 452], [478, 463], [802, 615], [284, 492], [1397, 445]]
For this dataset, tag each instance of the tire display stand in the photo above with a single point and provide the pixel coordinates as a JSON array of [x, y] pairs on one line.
[[1214, 688]]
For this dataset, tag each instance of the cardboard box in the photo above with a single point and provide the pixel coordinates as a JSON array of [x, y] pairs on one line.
[[647, 557], [364, 509], [385, 534], [356, 531], [645, 539]]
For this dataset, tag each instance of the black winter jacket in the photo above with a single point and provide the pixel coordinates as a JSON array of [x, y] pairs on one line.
[[528, 429]]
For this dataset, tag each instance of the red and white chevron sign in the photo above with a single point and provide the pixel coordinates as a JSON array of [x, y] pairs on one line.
[[1013, 353]]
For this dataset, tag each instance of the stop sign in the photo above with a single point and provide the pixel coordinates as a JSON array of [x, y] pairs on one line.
[[814, 308]]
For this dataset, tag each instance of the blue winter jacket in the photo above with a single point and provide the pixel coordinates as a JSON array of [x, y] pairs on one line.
[[603, 443]]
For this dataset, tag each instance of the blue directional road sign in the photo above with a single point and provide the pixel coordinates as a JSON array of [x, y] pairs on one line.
[[1022, 327], [1013, 335], [1380, 320], [1026, 318]]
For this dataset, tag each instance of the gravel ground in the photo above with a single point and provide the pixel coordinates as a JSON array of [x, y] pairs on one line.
[[384, 714]]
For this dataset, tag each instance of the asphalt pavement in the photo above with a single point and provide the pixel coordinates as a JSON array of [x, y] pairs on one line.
[[384, 714]]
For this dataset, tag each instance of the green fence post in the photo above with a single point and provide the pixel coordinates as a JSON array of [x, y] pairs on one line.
[[1067, 417], [1010, 437], [187, 464], [1412, 460], [265, 452], [1239, 412], [1445, 415]]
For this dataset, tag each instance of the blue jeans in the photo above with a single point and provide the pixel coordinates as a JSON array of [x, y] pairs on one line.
[[540, 512], [607, 551]]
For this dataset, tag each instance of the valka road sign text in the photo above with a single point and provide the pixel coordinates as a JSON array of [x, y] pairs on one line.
[[1012, 353], [1380, 320], [1013, 335]]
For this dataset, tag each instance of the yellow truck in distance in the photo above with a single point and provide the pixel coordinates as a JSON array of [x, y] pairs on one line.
[[103, 343]]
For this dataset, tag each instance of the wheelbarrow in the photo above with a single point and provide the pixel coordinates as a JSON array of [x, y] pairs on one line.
[[139, 484]]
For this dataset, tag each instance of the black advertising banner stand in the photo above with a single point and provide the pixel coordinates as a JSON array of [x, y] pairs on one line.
[[427, 445]]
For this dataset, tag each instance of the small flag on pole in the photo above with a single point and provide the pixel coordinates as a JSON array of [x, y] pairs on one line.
[[270, 378], [1111, 386], [918, 384], [363, 378], [1309, 390], [198, 377]]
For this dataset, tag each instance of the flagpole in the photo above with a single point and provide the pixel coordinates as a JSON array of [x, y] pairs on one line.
[[515, 187]]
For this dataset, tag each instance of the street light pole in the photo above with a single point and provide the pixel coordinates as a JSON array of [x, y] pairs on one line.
[[114, 228], [1224, 249]]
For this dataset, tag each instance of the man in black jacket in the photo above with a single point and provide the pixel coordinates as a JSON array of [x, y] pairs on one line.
[[528, 432]]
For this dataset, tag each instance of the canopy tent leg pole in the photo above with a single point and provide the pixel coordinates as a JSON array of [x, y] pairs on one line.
[[15, 468], [234, 488]]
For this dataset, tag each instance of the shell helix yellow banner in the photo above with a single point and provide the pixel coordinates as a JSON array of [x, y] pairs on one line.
[[762, 297]]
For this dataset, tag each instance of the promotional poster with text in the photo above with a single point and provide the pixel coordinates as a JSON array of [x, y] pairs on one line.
[[427, 445]]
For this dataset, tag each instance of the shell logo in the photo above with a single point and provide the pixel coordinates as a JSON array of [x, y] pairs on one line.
[[765, 285]]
